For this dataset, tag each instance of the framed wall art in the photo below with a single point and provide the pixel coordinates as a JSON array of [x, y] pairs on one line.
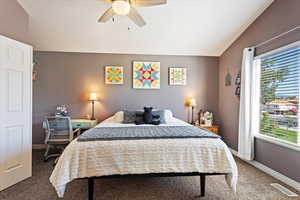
[[177, 76], [146, 75], [114, 75], [238, 84]]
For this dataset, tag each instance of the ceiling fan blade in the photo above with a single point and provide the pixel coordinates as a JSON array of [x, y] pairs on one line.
[[108, 0], [136, 17], [145, 3], [109, 13]]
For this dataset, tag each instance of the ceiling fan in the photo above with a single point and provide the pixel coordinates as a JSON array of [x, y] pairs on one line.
[[127, 8]]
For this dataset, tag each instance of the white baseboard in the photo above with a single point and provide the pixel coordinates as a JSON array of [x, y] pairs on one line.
[[292, 183], [38, 146]]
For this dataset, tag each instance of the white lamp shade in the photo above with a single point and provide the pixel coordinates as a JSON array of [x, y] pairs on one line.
[[93, 97], [121, 7], [191, 102]]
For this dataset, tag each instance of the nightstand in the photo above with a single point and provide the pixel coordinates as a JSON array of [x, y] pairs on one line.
[[213, 128], [84, 123]]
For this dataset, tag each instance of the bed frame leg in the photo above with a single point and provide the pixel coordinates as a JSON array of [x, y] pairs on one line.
[[90, 189], [202, 185]]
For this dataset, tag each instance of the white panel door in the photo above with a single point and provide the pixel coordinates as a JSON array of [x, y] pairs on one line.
[[15, 111]]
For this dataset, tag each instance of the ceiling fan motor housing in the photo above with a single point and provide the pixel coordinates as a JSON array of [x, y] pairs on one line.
[[121, 7], [127, 7]]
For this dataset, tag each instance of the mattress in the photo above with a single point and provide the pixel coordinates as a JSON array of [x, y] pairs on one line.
[[122, 157]]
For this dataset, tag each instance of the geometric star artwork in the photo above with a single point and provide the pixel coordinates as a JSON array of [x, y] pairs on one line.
[[177, 76], [114, 75], [146, 75]]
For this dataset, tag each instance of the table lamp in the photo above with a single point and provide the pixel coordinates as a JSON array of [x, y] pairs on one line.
[[191, 102], [93, 98]]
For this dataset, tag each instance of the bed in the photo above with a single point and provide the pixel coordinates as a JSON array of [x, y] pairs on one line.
[[143, 157]]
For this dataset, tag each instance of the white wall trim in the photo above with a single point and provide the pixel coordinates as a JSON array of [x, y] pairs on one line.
[[38, 146], [272, 172]]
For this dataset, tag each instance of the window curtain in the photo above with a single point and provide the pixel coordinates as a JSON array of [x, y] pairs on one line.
[[249, 104]]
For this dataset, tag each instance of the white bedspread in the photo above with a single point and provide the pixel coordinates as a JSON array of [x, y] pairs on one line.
[[102, 158]]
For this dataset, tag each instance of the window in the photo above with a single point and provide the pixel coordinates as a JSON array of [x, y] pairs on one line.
[[279, 94]]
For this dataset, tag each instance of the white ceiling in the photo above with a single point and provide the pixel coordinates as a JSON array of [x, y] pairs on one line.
[[182, 27]]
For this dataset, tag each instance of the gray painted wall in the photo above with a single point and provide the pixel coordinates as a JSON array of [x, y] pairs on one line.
[[281, 16], [68, 78], [13, 21]]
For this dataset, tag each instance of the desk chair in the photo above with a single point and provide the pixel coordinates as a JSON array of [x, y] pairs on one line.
[[59, 134]]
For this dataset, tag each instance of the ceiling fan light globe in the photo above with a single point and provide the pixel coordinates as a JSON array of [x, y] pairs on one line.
[[121, 7]]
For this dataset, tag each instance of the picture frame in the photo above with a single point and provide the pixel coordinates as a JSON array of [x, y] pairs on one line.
[[146, 75], [114, 75], [177, 76], [238, 79], [238, 91]]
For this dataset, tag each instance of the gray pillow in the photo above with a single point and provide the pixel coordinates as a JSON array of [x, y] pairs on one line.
[[161, 114], [130, 116]]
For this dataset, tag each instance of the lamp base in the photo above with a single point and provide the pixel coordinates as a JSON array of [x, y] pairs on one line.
[[192, 122], [93, 110]]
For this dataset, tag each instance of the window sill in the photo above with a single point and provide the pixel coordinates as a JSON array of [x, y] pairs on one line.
[[278, 142]]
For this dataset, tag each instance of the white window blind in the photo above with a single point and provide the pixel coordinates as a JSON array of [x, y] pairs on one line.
[[279, 94]]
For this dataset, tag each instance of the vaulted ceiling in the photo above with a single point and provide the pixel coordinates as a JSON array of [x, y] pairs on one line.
[[182, 27]]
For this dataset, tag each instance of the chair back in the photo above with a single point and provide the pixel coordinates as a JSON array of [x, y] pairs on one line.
[[59, 129]]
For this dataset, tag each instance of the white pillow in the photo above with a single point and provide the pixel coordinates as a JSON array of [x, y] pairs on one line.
[[169, 116], [119, 116]]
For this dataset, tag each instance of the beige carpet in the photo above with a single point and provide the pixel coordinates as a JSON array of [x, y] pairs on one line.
[[253, 185]]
